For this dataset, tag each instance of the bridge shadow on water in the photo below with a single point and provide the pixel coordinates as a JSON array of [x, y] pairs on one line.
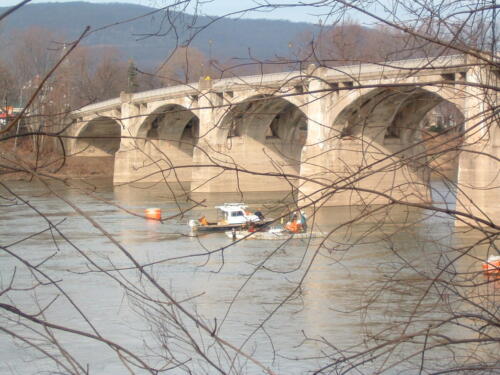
[[443, 192]]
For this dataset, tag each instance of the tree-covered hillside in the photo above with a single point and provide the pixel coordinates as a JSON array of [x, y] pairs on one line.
[[146, 40]]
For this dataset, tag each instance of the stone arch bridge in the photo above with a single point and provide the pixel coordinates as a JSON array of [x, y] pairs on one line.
[[345, 135]]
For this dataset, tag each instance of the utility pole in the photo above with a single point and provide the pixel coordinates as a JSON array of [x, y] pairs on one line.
[[210, 42], [493, 30]]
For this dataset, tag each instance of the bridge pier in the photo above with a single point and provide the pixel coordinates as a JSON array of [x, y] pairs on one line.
[[250, 143], [205, 178], [356, 173], [126, 156], [157, 142], [358, 149], [478, 182]]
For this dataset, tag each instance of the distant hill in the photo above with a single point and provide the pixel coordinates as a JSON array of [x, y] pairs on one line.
[[230, 37]]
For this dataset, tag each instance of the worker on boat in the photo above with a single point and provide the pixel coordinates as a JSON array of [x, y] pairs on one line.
[[260, 215], [303, 220], [203, 220], [294, 225]]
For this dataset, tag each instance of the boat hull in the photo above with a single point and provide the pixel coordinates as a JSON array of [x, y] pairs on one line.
[[227, 227], [269, 235]]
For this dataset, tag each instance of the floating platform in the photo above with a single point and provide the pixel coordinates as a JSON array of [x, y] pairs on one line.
[[270, 235]]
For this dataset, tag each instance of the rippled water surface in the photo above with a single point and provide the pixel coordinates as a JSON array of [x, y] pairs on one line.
[[311, 295]]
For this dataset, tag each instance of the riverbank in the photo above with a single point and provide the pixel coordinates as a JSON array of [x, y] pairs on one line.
[[17, 160]]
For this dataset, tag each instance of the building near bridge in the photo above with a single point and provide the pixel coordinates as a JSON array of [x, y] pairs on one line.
[[8, 113]]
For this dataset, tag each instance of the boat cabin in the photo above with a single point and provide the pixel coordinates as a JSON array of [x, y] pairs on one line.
[[230, 215], [234, 213]]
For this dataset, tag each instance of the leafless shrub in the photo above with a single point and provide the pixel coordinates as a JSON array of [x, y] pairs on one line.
[[391, 284]]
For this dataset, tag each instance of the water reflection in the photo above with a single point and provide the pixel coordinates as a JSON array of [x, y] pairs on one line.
[[340, 290]]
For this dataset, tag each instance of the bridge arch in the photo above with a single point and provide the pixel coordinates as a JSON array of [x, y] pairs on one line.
[[390, 112], [170, 125], [264, 117], [100, 136], [165, 144], [264, 133], [385, 126]]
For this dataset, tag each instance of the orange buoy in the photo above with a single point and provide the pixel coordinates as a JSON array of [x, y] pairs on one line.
[[492, 266], [153, 213]]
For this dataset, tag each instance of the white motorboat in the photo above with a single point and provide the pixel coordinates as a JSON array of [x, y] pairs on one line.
[[231, 216]]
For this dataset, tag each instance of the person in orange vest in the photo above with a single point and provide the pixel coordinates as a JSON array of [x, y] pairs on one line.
[[203, 220], [294, 226]]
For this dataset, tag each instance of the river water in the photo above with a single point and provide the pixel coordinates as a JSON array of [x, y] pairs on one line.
[[316, 299]]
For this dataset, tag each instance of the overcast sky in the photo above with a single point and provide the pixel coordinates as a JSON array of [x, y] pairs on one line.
[[220, 7]]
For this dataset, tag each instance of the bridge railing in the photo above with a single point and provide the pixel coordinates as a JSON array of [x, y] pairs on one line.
[[258, 79], [421, 63], [100, 106], [191, 88], [338, 72]]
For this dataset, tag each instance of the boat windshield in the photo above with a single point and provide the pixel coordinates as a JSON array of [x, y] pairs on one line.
[[237, 213]]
